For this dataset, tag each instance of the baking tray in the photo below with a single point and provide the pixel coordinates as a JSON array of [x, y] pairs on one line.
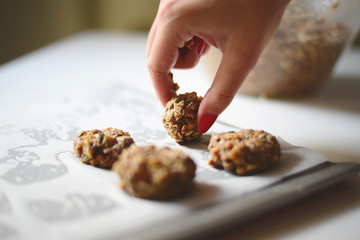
[[47, 193], [208, 220]]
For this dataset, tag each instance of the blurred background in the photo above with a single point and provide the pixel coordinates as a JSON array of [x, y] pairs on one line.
[[26, 25]]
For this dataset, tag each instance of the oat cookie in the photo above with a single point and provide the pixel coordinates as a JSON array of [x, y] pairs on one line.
[[179, 118], [101, 148], [155, 173], [244, 152]]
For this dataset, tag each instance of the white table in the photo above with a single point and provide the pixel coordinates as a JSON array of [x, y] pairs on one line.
[[328, 122]]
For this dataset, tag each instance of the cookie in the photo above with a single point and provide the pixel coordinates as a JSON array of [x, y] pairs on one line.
[[101, 148], [155, 173], [245, 152], [179, 118]]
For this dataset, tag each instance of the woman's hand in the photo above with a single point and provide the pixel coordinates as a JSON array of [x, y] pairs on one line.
[[239, 28]]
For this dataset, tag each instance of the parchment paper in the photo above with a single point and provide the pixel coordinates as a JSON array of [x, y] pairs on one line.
[[47, 193]]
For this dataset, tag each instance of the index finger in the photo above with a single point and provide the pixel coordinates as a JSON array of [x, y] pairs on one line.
[[162, 58]]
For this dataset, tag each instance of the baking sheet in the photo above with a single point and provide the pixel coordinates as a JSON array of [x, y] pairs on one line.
[[46, 193]]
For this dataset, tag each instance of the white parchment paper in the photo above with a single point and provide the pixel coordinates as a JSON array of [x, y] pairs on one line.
[[47, 193]]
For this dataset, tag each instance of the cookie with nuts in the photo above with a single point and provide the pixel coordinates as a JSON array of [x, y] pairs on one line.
[[155, 173], [101, 148], [245, 152], [179, 118]]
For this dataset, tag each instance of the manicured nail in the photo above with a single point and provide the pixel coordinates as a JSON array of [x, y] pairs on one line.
[[201, 47], [206, 122]]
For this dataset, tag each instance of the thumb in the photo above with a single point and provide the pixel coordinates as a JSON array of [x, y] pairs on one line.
[[233, 69]]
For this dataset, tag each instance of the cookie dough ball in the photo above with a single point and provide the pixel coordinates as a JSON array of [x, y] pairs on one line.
[[179, 118], [101, 148], [244, 152], [155, 173]]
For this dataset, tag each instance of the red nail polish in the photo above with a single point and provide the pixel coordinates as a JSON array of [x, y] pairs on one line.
[[206, 122], [201, 47]]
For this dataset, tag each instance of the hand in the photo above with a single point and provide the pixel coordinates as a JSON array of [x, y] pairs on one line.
[[239, 28]]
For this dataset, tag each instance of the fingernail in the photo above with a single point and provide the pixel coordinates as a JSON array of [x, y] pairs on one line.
[[201, 47], [206, 122]]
